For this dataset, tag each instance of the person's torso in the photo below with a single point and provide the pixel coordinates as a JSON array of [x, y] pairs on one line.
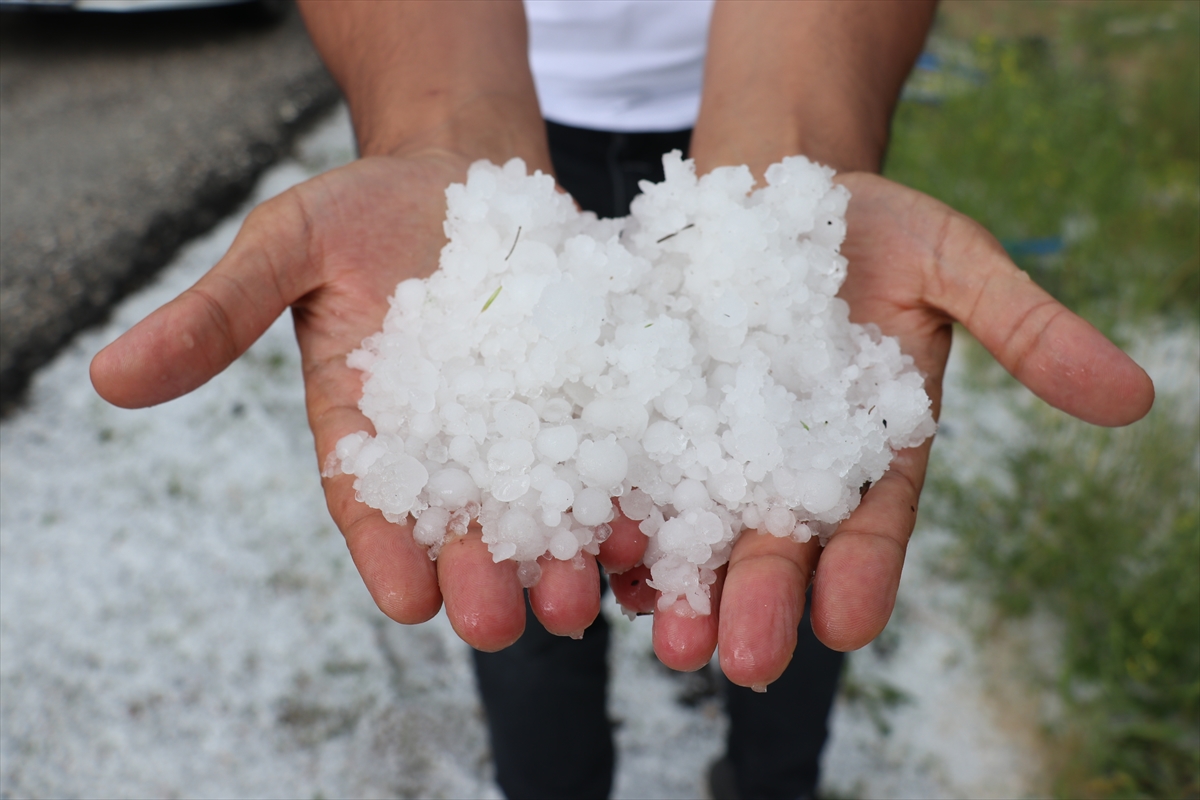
[[619, 65]]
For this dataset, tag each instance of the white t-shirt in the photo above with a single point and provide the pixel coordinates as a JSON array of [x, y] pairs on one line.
[[619, 65]]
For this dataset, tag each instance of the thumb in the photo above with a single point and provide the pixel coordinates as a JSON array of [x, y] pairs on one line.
[[1059, 356], [182, 345]]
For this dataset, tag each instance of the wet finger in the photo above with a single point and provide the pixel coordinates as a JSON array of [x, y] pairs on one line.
[[854, 591], [624, 548], [683, 639], [632, 591], [566, 599], [762, 603], [484, 600]]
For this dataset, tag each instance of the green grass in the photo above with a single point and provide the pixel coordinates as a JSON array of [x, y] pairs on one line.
[[1089, 132], [1101, 529], [1082, 122]]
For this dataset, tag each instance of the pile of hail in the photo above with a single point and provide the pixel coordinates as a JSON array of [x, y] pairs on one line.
[[690, 362]]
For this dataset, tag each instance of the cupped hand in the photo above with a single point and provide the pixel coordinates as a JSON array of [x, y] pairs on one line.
[[916, 266], [334, 248]]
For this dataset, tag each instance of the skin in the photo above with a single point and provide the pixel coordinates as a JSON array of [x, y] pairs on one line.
[[435, 86]]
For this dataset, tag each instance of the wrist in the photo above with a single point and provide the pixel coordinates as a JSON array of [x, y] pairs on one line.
[[485, 126], [846, 139], [818, 78], [426, 75]]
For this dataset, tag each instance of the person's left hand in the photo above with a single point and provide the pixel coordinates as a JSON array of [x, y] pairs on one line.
[[916, 266]]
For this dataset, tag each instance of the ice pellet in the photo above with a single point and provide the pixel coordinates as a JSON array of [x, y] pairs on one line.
[[691, 361]]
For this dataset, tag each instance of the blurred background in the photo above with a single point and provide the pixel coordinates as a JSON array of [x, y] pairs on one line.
[[1072, 131], [125, 135], [178, 616]]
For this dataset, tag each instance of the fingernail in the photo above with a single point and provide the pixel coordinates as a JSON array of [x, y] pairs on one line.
[[761, 688]]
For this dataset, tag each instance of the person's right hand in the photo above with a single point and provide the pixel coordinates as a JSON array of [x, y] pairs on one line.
[[334, 248]]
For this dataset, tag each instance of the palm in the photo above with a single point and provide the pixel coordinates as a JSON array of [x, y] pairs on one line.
[[333, 249], [375, 223], [916, 266]]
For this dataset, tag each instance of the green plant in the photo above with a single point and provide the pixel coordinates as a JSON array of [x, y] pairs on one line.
[[1101, 528], [1083, 141]]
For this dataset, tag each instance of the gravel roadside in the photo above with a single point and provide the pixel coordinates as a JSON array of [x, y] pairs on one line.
[[124, 136]]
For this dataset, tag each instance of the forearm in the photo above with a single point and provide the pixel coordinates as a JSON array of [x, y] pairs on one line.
[[818, 78], [426, 74]]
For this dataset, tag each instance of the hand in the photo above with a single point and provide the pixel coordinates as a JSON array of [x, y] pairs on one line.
[[916, 266], [334, 249]]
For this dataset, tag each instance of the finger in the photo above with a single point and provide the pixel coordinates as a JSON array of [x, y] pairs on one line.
[[966, 275], [854, 591], [683, 639], [396, 570], [632, 591], [761, 606], [484, 600], [189, 340], [624, 548], [566, 599], [1059, 356]]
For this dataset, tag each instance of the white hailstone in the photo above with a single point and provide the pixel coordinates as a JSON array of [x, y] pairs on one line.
[[626, 418], [690, 494], [752, 519], [564, 545], [541, 476], [394, 483], [556, 410], [601, 532], [557, 444], [664, 438], [365, 457], [452, 488], [779, 521], [592, 507], [636, 505], [513, 454], [652, 523], [828, 231], [463, 450], [557, 495], [709, 453], [516, 420], [529, 573], [509, 487], [602, 464], [728, 485], [514, 532], [349, 446], [674, 405], [431, 526], [818, 491], [691, 362], [460, 519]]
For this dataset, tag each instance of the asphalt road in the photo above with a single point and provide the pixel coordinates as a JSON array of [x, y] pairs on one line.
[[121, 137]]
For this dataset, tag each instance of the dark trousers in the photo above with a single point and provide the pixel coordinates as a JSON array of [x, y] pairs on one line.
[[546, 696]]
